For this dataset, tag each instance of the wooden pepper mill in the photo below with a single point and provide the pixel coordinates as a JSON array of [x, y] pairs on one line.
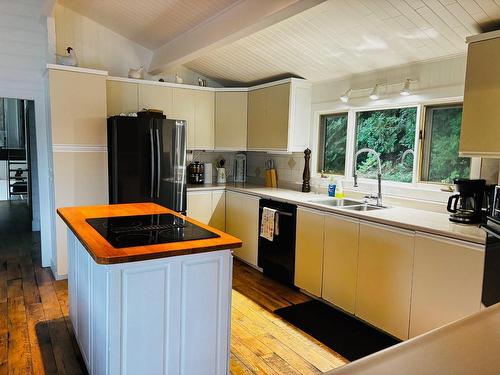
[[306, 176]]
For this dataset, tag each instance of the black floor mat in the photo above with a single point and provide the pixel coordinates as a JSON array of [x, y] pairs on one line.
[[339, 331]]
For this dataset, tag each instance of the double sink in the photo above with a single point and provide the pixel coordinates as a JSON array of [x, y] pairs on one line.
[[348, 204]]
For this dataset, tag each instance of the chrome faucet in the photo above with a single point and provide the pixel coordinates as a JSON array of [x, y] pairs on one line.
[[378, 197], [409, 151]]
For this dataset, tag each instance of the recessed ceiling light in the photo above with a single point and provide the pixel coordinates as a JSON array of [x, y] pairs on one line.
[[345, 96], [405, 91], [375, 92]]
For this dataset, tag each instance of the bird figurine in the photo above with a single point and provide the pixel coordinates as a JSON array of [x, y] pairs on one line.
[[136, 73], [70, 59]]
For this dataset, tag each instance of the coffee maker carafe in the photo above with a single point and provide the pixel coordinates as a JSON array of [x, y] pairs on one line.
[[466, 207]]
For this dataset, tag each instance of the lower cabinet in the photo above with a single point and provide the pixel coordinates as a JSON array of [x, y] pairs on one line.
[[340, 261], [447, 282], [309, 250], [207, 207], [384, 281], [242, 221]]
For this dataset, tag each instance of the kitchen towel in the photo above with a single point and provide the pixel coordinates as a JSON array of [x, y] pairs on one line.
[[267, 223]]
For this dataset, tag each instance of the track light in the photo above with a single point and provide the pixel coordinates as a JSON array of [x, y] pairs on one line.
[[405, 91], [375, 92], [345, 96]]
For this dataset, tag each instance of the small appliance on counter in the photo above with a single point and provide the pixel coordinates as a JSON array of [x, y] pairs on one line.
[[196, 173], [240, 168], [466, 207]]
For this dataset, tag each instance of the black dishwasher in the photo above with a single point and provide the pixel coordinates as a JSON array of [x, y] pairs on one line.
[[277, 257]]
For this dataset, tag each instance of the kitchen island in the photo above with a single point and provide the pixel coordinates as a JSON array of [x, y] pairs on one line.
[[151, 309]]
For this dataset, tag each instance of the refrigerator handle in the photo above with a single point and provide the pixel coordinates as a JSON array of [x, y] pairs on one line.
[[158, 171], [152, 161]]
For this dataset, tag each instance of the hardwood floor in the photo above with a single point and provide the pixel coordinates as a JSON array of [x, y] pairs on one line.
[[36, 336]]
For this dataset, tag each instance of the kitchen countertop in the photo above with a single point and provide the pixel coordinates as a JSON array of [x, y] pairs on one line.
[[467, 346], [103, 253], [401, 217]]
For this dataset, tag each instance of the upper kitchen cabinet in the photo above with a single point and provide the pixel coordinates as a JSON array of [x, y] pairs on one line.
[[480, 130], [231, 120], [156, 97], [197, 108], [183, 109], [121, 97], [83, 123], [204, 104], [279, 116]]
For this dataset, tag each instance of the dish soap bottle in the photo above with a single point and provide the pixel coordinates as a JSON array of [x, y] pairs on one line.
[[340, 190], [331, 187]]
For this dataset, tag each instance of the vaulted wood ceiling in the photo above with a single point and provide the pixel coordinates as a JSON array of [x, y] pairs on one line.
[[330, 40], [342, 37], [150, 23]]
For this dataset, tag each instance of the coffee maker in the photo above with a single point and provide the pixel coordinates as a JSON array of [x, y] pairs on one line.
[[466, 207], [196, 173]]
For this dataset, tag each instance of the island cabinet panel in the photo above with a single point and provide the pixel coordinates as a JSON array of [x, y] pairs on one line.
[[340, 261], [447, 282], [231, 120], [309, 250], [161, 316], [242, 221], [384, 280], [121, 97]]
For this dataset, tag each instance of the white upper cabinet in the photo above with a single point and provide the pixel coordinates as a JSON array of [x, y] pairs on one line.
[[184, 109], [156, 97], [121, 97], [231, 120], [480, 130], [204, 108], [279, 116]]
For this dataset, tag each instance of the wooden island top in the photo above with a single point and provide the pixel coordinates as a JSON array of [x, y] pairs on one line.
[[104, 253]]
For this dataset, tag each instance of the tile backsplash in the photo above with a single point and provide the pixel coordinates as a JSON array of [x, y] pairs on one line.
[[213, 157], [289, 167]]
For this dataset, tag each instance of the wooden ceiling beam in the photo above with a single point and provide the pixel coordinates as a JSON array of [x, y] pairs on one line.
[[242, 19]]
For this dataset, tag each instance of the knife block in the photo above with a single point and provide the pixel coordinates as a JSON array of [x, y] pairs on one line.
[[271, 179]]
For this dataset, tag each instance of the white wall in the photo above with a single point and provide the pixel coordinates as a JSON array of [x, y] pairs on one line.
[[23, 42], [98, 47]]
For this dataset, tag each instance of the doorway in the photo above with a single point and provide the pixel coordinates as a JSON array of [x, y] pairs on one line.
[[17, 159]]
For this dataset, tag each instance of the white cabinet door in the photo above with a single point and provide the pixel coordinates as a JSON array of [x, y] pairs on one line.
[[204, 120], [231, 120], [183, 108], [309, 250], [121, 97], [199, 206], [447, 282], [385, 266], [242, 221], [156, 97], [218, 219], [340, 261]]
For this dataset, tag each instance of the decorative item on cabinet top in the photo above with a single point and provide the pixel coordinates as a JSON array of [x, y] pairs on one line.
[[69, 60]]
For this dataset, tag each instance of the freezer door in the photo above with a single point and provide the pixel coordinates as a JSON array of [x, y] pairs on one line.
[[170, 144], [131, 160]]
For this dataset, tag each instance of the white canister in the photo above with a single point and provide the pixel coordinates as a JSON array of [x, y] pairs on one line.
[[221, 175]]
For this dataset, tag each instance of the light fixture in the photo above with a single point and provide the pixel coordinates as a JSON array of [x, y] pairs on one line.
[[405, 91], [375, 92], [345, 96]]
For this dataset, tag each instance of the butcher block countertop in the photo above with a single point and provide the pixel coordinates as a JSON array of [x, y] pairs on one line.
[[103, 253]]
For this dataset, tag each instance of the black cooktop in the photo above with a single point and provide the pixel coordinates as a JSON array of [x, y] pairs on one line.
[[128, 231]]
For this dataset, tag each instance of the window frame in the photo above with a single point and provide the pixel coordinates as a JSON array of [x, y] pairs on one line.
[[322, 142], [417, 181]]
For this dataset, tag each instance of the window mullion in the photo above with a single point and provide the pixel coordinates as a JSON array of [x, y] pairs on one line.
[[351, 143]]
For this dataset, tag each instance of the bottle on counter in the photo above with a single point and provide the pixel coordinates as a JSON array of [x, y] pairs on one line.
[[331, 187], [340, 189]]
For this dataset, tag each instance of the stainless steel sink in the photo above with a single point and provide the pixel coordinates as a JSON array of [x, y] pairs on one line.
[[337, 202], [364, 207]]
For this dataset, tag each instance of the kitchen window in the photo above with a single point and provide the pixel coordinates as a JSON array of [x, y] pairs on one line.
[[391, 133], [440, 160], [333, 144]]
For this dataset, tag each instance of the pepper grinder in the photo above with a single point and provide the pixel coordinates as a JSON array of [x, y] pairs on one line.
[[306, 176]]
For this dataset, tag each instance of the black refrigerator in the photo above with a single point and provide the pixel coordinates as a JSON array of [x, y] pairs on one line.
[[147, 161]]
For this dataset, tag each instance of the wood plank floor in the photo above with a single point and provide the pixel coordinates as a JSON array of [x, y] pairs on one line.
[[36, 336]]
